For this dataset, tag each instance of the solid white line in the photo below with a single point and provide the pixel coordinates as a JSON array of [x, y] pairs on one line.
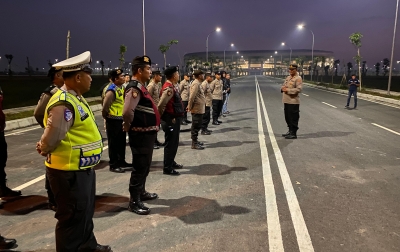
[[395, 132], [305, 94], [22, 131], [274, 226], [303, 237], [329, 105]]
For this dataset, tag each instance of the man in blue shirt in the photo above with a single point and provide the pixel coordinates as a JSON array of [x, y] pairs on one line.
[[353, 84]]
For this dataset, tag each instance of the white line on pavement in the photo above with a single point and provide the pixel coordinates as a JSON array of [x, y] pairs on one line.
[[22, 131], [303, 237], [305, 94], [380, 126], [329, 105], [274, 226]]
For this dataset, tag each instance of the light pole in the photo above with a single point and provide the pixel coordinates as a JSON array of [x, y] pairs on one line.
[[391, 57], [144, 30], [232, 45], [290, 57], [216, 30], [312, 49]]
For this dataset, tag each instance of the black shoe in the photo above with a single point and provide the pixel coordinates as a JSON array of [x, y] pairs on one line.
[[158, 143], [124, 164], [347, 106], [187, 121], [286, 134], [219, 122], [102, 248], [177, 166], [156, 147], [171, 172], [52, 206], [138, 207], [209, 130], [196, 146], [200, 143], [215, 123], [7, 243], [203, 132], [148, 196], [291, 136], [7, 192], [117, 169], [163, 144], [184, 123]]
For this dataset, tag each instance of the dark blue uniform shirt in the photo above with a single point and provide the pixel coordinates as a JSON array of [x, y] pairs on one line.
[[353, 83]]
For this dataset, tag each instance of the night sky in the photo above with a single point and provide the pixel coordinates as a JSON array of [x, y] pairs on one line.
[[38, 29]]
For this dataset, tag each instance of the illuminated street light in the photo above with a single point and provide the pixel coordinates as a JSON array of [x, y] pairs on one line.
[[216, 30], [301, 26]]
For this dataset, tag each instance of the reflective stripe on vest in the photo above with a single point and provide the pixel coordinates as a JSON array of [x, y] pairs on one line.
[[82, 146]]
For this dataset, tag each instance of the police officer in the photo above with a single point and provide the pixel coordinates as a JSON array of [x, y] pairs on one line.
[[207, 114], [184, 91], [197, 105], [171, 111], [73, 145], [290, 90], [154, 90], [113, 105], [353, 84], [216, 90], [57, 82], [5, 191], [127, 80], [141, 121]]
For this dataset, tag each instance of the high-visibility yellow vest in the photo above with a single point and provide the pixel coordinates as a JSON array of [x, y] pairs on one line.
[[82, 146], [118, 105]]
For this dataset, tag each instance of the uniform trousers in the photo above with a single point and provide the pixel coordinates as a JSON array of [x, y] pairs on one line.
[[74, 193], [206, 118], [116, 141], [172, 131], [197, 121], [185, 104], [292, 115], [3, 158], [142, 146], [217, 108]]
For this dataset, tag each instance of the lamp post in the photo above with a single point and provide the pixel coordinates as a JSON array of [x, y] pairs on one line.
[[144, 30], [232, 45], [216, 30], [391, 57], [312, 49], [290, 57]]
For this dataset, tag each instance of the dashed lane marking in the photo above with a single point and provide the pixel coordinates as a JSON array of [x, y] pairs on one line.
[[382, 127], [329, 105]]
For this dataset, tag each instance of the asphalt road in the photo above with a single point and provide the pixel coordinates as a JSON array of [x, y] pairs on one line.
[[335, 188]]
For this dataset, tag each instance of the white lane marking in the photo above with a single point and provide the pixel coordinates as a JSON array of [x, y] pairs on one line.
[[380, 126], [40, 178], [303, 237], [274, 227], [329, 105], [305, 94], [22, 131]]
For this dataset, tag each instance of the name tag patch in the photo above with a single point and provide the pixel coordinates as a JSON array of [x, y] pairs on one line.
[[68, 115]]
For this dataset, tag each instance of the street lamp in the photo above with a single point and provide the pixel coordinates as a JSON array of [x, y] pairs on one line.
[[216, 30], [391, 57], [312, 48], [290, 57], [232, 45]]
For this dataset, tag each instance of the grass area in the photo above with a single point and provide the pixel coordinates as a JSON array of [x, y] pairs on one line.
[[19, 115]]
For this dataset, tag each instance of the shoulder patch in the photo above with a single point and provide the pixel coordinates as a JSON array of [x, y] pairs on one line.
[[68, 115], [135, 93], [169, 92]]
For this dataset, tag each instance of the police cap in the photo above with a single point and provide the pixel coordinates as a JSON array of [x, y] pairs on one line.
[[293, 66], [170, 70], [141, 60], [115, 73], [198, 72]]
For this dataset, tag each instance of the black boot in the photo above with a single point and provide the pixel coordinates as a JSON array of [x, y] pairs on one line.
[[7, 192], [7, 243], [137, 206], [197, 146], [292, 135], [287, 134], [145, 195]]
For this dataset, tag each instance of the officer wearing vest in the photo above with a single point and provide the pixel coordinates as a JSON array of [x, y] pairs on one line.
[[216, 90], [171, 111], [73, 145], [57, 82], [154, 90], [113, 105], [141, 121]]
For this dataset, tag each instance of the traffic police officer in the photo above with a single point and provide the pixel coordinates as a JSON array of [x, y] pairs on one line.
[[184, 91], [113, 105], [216, 90], [141, 121], [57, 82], [290, 90], [207, 114], [197, 106], [154, 91], [171, 111], [73, 145]]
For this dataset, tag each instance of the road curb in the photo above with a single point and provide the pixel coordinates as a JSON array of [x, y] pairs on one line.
[[30, 121]]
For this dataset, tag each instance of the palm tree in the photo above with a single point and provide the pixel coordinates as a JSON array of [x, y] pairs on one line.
[[355, 39], [349, 67], [386, 64], [164, 49], [122, 51], [9, 58], [102, 67]]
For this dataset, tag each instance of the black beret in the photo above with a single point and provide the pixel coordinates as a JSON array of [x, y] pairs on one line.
[[198, 72], [170, 70], [143, 60], [293, 66], [52, 72], [156, 72], [114, 73]]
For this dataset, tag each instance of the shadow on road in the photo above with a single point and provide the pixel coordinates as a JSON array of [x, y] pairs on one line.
[[195, 210], [109, 204], [24, 205], [227, 144], [324, 134], [224, 130], [103, 164], [238, 120], [212, 169]]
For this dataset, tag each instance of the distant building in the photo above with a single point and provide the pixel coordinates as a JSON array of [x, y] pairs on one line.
[[262, 62]]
